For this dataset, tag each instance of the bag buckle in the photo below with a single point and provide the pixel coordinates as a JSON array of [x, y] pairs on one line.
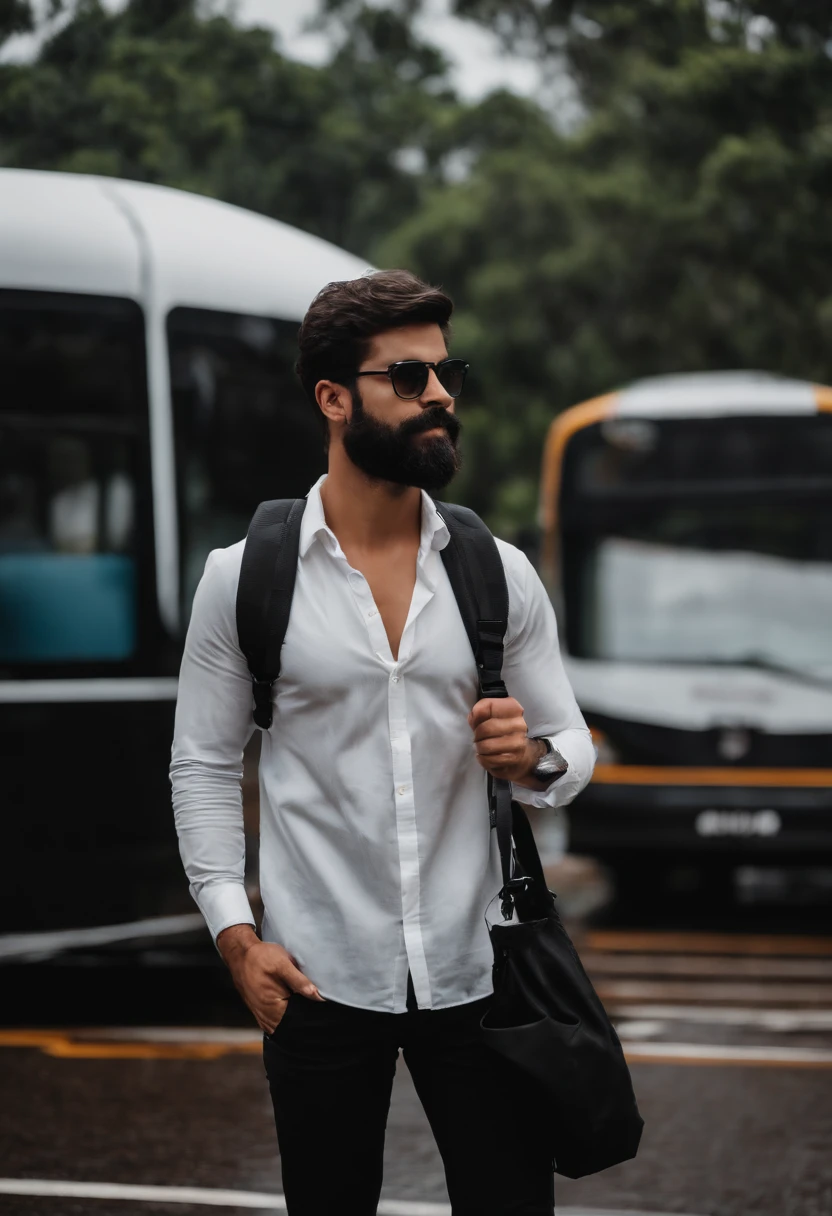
[[262, 690], [512, 888]]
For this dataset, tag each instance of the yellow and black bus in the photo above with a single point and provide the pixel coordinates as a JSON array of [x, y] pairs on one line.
[[687, 542]]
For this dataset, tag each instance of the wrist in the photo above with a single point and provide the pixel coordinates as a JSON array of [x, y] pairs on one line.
[[235, 942], [549, 765]]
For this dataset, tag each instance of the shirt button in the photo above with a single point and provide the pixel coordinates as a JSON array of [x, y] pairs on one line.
[[395, 679], [401, 790], [372, 612]]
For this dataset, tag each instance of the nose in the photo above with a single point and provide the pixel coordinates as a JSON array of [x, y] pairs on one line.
[[435, 394]]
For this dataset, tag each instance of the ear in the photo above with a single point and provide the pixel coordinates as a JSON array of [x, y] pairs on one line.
[[334, 401]]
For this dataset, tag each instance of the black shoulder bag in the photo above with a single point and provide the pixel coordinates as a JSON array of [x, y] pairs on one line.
[[546, 1017]]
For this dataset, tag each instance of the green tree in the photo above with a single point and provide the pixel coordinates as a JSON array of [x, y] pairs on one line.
[[680, 227], [160, 93]]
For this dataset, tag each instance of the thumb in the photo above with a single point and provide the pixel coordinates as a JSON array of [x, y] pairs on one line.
[[481, 712]]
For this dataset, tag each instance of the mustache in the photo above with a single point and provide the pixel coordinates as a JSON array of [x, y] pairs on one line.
[[430, 418]]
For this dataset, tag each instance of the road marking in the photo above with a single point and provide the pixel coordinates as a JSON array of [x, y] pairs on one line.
[[25, 946], [704, 943], [708, 966], [781, 1021], [92, 1045], [49, 1188], [716, 992], [183, 1043], [717, 1054]]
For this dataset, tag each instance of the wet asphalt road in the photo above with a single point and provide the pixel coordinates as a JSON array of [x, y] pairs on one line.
[[720, 1140]]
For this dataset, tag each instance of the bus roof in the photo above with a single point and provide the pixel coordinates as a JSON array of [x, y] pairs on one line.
[[691, 395], [714, 394], [104, 236]]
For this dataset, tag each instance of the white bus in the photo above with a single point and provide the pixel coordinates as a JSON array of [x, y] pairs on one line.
[[687, 540], [147, 404]]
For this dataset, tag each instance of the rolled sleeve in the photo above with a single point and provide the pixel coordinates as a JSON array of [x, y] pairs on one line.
[[534, 674], [213, 725]]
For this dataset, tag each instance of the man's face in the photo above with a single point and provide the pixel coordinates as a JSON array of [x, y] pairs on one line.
[[411, 443]]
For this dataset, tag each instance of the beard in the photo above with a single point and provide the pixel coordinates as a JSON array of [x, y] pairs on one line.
[[397, 454]]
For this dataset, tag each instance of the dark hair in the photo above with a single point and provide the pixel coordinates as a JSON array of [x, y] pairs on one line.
[[345, 316]]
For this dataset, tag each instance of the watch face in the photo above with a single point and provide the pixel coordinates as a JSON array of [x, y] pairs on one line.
[[550, 766]]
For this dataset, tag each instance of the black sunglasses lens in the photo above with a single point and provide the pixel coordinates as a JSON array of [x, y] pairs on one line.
[[409, 379], [451, 375]]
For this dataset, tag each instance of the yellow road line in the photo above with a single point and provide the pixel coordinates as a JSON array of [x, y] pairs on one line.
[[76, 1046], [65, 1045], [704, 943]]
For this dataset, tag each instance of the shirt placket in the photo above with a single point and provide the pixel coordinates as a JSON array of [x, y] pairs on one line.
[[402, 759]]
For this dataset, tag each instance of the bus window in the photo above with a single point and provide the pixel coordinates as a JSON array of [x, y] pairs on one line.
[[72, 424], [673, 603], [705, 541], [244, 430]]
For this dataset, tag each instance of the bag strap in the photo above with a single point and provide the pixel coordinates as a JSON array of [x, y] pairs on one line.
[[264, 594], [477, 577]]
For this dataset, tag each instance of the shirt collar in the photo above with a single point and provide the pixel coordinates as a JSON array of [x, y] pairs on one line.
[[435, 534]]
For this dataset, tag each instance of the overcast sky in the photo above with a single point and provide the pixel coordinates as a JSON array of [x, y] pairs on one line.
[[479, 64]]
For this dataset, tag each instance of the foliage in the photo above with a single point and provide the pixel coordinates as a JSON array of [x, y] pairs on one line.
[[160, 93], [681, 226]]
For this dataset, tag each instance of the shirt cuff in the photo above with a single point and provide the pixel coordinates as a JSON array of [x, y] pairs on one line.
[[223, 904], [577, 750]]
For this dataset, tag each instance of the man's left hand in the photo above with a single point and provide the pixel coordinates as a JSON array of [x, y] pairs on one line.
[[501, 740]]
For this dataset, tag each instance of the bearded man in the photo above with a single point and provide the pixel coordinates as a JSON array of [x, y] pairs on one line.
[[376, 858]]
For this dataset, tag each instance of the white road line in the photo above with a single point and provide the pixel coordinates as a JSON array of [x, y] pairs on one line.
[[42, 945], [50, 1188], [717, 1053], [780, 1020]]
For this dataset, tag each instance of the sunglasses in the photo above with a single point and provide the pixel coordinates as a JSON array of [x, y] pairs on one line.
[[409, 377]]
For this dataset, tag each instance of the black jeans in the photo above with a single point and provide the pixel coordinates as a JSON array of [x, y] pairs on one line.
[[330, 1069]]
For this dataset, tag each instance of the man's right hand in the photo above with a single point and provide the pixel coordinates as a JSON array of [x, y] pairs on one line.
[[264, 974]]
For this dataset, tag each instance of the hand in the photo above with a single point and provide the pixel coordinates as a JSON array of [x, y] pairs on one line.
[[501, 739], [265, 975]]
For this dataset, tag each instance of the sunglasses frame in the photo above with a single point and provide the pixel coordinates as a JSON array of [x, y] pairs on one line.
[[391, 371]]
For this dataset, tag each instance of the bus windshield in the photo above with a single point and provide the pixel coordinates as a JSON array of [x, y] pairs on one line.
[[244, 430], [735, 567], [73, 451]]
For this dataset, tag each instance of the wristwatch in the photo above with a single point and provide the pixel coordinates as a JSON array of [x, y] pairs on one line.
[[550, 766]]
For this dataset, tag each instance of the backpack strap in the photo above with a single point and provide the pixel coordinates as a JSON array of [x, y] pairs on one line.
[[264, 594], [478, 579]]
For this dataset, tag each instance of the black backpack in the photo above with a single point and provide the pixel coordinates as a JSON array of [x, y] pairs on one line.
[[546, 1017]]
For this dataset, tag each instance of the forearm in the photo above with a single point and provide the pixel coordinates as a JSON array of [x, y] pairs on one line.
[[213, 724], [207, 806]]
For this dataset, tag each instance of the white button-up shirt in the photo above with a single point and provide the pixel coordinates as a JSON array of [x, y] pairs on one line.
[[376, 856]]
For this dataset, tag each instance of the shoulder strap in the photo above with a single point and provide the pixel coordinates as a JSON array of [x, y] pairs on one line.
[[478, 579], [264, 594], [475, 570]]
